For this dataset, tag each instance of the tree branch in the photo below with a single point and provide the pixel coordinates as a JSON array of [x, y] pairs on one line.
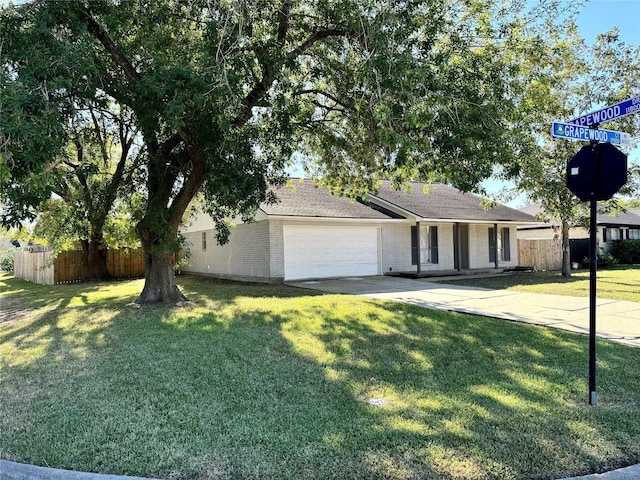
[[283, 24], [316, 37], [172, 142], [316, 91], [258, 91], [254, 96], [101, 139], [109, 45]]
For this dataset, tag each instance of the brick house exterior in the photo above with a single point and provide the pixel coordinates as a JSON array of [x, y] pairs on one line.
[[313, 234]]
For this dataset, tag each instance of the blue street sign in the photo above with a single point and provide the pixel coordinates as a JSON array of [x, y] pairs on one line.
[[576, 132], [606, 114]]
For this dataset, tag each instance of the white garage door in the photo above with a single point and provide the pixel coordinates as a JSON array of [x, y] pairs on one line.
[[321, 252]]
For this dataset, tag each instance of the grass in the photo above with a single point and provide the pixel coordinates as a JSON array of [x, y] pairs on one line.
[[618, 283], [266, 382]]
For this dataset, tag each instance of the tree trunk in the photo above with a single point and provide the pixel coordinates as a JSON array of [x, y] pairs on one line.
[[159, 281], [159, 277], [94, 259], [566, 250]]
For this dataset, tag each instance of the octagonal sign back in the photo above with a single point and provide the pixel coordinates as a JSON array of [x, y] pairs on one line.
[[597, 172]]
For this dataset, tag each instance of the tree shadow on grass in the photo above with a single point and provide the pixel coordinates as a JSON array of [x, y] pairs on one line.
[[495, 399], [179, 393], [260, 382]]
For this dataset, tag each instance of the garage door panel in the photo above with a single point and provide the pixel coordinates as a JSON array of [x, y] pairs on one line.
[[321, 252]]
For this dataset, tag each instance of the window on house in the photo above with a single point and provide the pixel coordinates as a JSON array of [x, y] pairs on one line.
[[504, 245], [204, 240], [634, 234], [611, 234], [428, 244]]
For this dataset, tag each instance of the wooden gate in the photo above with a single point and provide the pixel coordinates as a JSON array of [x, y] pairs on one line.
[[542, 254]]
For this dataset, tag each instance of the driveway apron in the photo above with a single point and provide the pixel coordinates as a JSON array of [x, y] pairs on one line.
[[615, 320]]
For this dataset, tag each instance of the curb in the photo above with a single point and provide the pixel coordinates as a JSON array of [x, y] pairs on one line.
[[20, 471], [628, 473]]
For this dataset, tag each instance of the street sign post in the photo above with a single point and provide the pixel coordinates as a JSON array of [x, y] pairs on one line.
[[576, 132], [595, 173], [606, 114]]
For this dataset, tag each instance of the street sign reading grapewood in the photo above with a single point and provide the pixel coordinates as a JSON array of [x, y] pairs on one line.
[[595, 173]]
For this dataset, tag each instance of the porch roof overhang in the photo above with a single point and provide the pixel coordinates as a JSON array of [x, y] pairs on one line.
[[413, 217]]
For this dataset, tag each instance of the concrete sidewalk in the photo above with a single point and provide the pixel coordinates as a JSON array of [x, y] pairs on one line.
[[615, 320]]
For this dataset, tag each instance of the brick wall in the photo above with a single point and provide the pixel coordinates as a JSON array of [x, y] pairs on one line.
[[244, 257], [479, 247], [396, 248], [276, 248]]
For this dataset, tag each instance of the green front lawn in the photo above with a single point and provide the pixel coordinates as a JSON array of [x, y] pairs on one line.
[[618, 283], [265, 382]]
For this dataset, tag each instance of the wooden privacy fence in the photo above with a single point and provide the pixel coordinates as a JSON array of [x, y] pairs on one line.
[[34, 266], [67, 267], [542, 254]]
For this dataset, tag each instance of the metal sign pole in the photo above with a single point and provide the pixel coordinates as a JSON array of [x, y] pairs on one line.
[[593, 268], [593, 264], [588, 182]]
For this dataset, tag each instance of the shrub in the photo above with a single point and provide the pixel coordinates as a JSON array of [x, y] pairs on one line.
[[6, 261], [626, 251]]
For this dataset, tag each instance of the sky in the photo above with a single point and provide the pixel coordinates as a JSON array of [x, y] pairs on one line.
[[598, 16]]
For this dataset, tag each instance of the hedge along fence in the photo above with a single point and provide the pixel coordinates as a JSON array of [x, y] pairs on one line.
[[626, 251], [67, 267]]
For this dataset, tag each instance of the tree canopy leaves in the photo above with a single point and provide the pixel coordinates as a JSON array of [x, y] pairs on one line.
[[225, 92]]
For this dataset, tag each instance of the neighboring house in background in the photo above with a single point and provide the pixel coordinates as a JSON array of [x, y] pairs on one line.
[[310, 234], [625, 225], [546, 229]]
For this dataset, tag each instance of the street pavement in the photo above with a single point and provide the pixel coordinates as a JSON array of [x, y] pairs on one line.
[[616, 320]]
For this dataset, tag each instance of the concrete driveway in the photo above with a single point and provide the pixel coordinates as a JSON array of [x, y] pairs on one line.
[[615, 320]]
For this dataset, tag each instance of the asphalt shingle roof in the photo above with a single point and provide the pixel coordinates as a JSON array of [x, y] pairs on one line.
[[630, 218], [441, 202], [304, 199], [623, 219], [448, 203]]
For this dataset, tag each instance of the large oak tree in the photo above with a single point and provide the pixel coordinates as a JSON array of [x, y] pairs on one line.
[[225, 92]]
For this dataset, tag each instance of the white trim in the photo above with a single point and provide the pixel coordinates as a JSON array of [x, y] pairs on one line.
[[337, 219], [478, 222], [392, 207]]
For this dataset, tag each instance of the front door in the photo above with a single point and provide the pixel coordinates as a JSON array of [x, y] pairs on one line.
[[461, 246]]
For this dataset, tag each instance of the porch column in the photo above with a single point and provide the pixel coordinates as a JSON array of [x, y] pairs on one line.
[[495, 243], [418, 249], [458, 246]]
